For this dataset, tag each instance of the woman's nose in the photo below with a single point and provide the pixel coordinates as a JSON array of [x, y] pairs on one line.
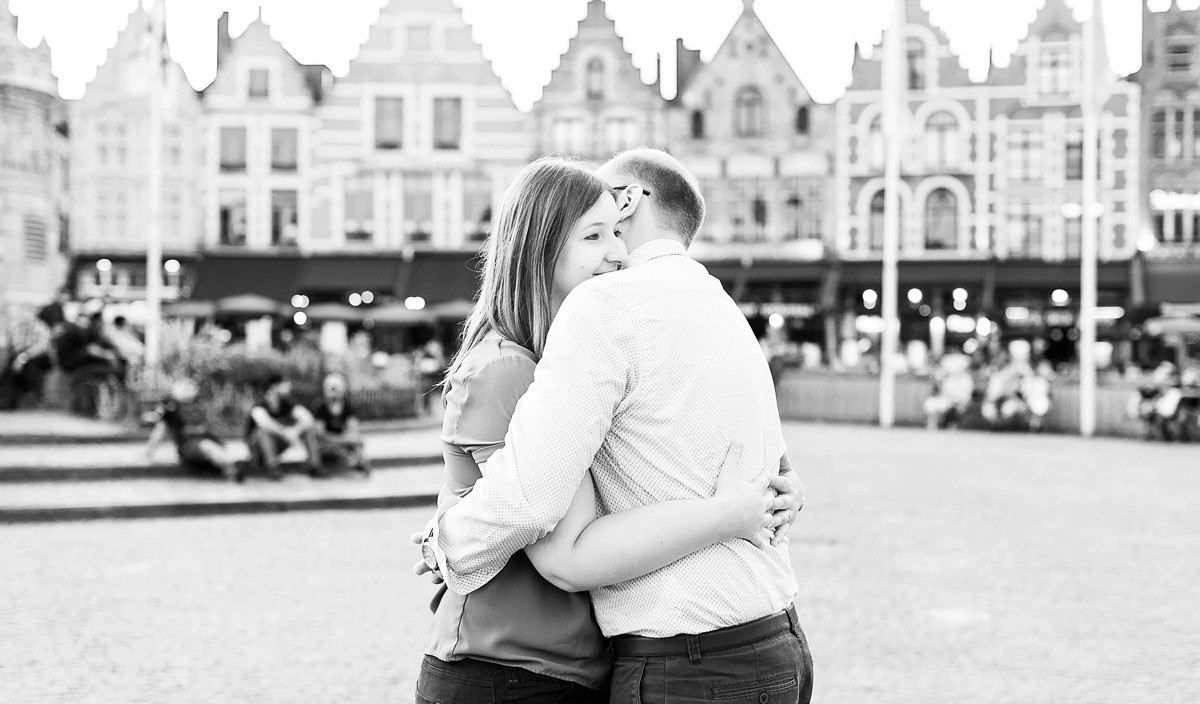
[[617, 253]]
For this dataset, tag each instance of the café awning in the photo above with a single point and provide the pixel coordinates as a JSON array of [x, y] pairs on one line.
[[330, 274], [274, 276], [439, 276]]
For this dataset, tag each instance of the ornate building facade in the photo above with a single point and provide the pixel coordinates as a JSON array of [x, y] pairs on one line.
[[33, 177], [1170, 149], [109, 166], [991, 188], [762, 150], [596, 103]]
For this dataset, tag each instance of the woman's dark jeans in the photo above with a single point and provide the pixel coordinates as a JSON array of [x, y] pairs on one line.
[[477, 682]]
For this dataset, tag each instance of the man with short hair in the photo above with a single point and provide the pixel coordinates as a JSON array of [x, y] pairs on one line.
[[648, 375], [275, 424], [195, 444]]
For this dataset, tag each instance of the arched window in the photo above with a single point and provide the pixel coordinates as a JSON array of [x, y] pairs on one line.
[[595, 78], [748, 113], [916, 63], [802, 120], [876, 149], [941, 220], [941, 139], [697, 124], [877, 207]]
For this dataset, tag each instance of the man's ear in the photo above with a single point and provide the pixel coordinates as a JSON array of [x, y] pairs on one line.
[[628, 199]]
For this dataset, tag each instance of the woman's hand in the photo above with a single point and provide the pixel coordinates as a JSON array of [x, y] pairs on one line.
[[747, 504]]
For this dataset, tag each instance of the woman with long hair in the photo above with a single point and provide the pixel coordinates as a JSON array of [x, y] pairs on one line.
[[529, 635]]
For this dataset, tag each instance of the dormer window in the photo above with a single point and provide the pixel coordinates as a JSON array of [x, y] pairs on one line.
[[259, 83], [595, 78], [419, 37], [1179, 56], [748, 113], [802, 120], [915, 52], [1054, 69]]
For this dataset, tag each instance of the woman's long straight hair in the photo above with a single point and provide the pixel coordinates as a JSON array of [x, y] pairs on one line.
[[540, 208]]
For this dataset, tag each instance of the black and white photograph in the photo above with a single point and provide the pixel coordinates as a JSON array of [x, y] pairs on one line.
[[599, 351]]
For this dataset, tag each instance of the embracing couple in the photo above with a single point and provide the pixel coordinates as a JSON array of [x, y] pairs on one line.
[[617, 490]]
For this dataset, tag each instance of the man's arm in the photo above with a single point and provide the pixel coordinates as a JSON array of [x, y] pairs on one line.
[[558, 426]]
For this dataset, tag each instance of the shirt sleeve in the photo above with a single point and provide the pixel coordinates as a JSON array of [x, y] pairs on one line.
[[557, 427], [481, 412]]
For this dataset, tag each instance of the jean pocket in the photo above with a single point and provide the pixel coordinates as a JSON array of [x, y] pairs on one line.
[[627, 680], [781, 688]]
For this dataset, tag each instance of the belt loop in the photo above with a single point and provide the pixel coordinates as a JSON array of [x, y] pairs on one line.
[[693, 644], [792, 619]]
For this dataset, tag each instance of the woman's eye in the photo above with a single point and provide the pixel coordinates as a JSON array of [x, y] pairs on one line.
[[592, 236]]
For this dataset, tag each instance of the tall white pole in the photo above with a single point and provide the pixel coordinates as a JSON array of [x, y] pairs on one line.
[[154, 137], [894, 105], [1088, 248]]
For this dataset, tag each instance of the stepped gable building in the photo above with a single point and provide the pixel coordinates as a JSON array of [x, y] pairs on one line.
[[990, 199], [763, 151], [33, 177], [260, 120], [596, 104], [1170, 149], [109, 162]]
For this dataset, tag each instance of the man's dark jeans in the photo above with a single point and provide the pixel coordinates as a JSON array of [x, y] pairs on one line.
[[778, 668], [476, 682]]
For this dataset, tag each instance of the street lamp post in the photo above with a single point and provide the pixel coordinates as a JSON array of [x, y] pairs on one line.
[[154, 264], [894, 106], [1088, 230]]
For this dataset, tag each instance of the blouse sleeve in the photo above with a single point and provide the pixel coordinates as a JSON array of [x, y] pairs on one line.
[[481, 412]]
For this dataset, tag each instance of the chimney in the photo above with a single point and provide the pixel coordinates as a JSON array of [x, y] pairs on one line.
[[224, 41]]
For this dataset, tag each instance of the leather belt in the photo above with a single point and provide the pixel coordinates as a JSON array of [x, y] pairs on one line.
[[721, 639]]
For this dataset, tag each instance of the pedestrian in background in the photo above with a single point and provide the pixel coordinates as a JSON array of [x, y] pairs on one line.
[[195, 444], [277, 423], [336, 435]]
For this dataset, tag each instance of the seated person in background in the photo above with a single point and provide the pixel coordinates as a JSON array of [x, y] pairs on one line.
[[336, 435], [275, 424], [196, 445]]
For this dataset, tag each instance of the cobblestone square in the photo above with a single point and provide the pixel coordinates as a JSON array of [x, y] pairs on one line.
[[948, 568]]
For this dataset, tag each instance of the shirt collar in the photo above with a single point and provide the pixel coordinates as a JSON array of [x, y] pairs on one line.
[[655, 249]]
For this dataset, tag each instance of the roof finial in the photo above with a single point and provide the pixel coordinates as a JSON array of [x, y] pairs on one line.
[[748, 5]]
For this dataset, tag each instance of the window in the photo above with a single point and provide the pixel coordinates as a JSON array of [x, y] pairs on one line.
[[233, 148], [284, 217], [595, 78], [418, 206], [1158, 134], [259, 83], [1025, 156], [1074, 165], [359, 223], [1025, 229], [941, 220], [697, 124], [447, 123], [477, 206], [801, 209], [419, 37], [739, 209], [102, 155], [941, 139], [1054, 70], [233, 217], [567, 135], [758, 214], [876, 146], [621, 133], [1196, 133], [35, 239], [915, 51], [1175, 137], [1179, 57], [1072, 237], [283, 148], [877, 221], [802, 120], [748, 113], [389, 123]]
